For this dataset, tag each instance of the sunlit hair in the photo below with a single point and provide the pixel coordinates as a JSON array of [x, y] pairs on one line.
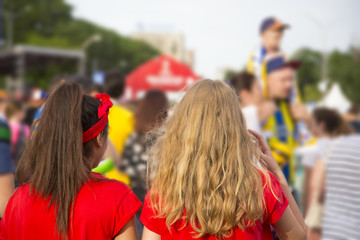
[[205, 164]]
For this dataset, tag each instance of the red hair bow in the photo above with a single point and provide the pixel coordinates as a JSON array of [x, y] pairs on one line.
[[105, 105], [103, 112]]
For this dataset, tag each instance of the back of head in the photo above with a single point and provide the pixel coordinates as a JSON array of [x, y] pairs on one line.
[[242, 81], [271, 31], [13, 107], [94, 89], [207, 157], [334, 124], [114, 83], [278, 74], [55, 161], [151, 111]]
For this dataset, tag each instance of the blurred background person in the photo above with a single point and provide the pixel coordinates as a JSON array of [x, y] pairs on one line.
[[150, 114], [335, 181], [271, 33], [353, 117], [20, 131], [94, 89], [6, 162], [253, 105], [121, 120], [327, 125], [280, 127], [121, 125], [35, 101]]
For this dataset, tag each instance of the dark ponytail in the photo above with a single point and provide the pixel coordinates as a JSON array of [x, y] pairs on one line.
[[55, 159]]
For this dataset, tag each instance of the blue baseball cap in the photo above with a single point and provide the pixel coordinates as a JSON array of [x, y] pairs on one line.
[[272, 23], [280, 62]]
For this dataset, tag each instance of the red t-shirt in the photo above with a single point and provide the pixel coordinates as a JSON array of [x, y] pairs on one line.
[[101, 209], [274, 210]]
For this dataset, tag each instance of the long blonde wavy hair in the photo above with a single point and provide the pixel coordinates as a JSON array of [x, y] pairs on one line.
[[205, 163]]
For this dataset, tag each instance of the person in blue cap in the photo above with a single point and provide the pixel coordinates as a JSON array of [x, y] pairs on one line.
[[271, 32], [278, 76]]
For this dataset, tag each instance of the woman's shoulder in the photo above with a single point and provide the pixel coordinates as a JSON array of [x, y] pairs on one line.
[[272, 189], [21, 193], [22, 189], [266, 176], [107, 191], [112, 195], [274, 196], [103, 184]]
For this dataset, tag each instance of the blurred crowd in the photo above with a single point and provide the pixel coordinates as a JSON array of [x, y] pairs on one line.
[[318, 147]]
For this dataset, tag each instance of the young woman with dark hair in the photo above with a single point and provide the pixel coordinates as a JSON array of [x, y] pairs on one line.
[[328, 126], [59, 197]]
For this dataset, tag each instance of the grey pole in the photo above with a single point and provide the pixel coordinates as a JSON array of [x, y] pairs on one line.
[[20, 71]]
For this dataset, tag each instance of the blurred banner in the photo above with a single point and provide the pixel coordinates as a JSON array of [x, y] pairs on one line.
[[163, 73]]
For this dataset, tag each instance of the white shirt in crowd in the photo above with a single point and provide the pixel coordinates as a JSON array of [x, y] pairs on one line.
[[251, 117], [311, 154], [341, 218]]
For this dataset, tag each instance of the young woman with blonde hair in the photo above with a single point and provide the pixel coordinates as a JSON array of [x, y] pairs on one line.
[[206, 180]]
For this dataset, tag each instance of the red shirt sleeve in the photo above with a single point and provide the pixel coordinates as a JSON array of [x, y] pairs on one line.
[[1, 236], [127, 208], [149, 219], [275, 205]]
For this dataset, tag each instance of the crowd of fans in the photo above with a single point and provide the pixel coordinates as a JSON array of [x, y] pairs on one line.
[[218, 164]]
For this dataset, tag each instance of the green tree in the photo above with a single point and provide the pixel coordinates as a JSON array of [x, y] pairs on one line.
[[112, 52], [229, 73], [50, 23], [344, 68], [309, 73], [40, 16]]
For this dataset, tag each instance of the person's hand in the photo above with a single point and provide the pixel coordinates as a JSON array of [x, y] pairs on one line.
[[266, 154], [266, 109], [299, 112]]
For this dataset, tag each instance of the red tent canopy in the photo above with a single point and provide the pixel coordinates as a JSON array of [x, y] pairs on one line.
[[162, 72]]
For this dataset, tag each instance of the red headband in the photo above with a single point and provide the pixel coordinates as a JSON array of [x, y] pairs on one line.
[[103, 112]]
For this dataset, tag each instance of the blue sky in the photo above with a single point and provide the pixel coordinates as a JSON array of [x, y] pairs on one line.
[[222, 33]]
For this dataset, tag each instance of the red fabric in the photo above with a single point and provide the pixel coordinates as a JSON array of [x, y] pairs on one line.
[[101, 210], [95, 130], [162, 72], [105, 105], [103, 113], [274, 210]]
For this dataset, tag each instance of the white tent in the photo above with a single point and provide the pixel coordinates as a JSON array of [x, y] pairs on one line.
[[335, 98]]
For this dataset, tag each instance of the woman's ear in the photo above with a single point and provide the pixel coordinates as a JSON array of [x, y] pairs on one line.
[[99, 140]]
